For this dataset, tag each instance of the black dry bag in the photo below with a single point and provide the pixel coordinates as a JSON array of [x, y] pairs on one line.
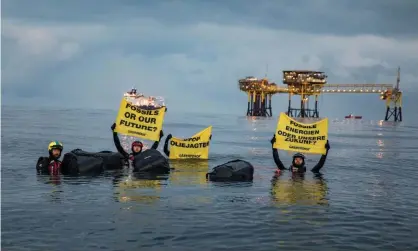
[[235, 170]]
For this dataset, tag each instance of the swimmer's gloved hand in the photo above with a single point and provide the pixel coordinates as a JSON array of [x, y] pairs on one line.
[[327, 146], [161, 134], [113, 126], [273, 140], [169, 136]]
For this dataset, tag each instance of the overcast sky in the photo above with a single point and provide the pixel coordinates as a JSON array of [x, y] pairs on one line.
[[86, 53]]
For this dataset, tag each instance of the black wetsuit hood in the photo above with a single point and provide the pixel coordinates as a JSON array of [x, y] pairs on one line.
[[301, 167], [136, 143]]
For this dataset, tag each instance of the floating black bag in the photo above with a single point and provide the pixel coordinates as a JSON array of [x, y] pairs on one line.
[[235, 170], [81, 162], [151, 161]]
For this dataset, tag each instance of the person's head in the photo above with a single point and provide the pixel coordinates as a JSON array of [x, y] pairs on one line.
[[298, 160], [55, 149], [136, 147]]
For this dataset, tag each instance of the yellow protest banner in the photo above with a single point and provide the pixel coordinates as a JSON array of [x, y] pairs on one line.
[[301, 137], [142, 123], [196, 147]]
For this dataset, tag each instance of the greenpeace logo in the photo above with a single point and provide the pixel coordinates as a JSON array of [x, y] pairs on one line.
[[189, 155], [137, 133], [299, 148]]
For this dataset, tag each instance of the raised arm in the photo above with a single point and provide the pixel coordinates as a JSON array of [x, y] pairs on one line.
[[166, 151], [117, 142], [156, 143], [276, 157], [321, 162]]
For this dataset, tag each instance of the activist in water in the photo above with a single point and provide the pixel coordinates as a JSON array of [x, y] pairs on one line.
[[298, 162], [51, 164], [136, 146]]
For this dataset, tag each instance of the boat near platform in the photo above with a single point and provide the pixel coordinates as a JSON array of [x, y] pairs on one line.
[[143, 101], [351, 116]]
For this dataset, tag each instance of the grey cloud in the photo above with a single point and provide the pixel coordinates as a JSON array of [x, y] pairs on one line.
[[180, 56], [348, 17], [373, 74]]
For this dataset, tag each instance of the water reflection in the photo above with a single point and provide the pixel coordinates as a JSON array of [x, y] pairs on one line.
[[78, 180], [56, 195], [299, 190], [234, 184], [260, 123], [189, 172], [139, 189], [382, 123], [56, 190], [49, 179], [381, 145], [254, 118], [386, 144]]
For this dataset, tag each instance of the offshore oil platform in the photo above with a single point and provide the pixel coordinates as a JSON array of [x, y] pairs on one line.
[[259, 93], [306, 83]]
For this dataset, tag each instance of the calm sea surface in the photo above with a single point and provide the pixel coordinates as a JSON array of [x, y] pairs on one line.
[[367, 198]]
